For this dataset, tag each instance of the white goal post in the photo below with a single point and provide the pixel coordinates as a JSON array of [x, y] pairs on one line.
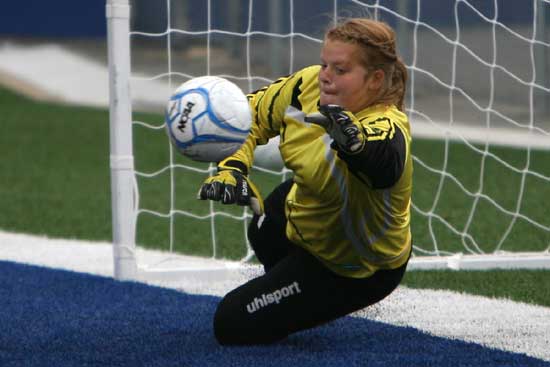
[[121, 151], [473, 64]]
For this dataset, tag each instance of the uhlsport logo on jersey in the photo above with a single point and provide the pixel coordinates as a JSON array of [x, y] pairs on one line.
[[267, 299]]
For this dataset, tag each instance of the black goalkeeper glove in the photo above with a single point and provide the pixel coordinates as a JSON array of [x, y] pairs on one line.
[[340, 127], [231, 185]]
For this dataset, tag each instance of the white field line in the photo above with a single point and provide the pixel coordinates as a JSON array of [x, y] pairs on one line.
[[460, 132], [69, 77]]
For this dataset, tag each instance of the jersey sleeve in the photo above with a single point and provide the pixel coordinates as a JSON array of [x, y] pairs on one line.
[[268, 106], [382, 160]]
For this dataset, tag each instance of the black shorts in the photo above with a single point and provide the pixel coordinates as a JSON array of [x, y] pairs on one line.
[[297, 292]]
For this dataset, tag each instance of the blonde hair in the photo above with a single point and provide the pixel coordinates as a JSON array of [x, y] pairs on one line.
[[377, 40]]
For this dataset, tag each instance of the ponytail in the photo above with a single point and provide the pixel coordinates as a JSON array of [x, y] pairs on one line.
[[398, 86]]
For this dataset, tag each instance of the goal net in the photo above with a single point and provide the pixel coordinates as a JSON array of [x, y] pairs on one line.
[[478, 100]]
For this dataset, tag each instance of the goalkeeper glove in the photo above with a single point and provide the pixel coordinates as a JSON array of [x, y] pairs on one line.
[[340, 127], [231, 185]]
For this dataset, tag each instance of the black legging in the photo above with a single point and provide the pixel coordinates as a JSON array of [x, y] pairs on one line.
[[297, 291]]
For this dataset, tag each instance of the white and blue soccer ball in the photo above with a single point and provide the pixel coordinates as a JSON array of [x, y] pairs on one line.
[[208, 118]]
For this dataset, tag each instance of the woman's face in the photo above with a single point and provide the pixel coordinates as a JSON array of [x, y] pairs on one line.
[[343, 79]]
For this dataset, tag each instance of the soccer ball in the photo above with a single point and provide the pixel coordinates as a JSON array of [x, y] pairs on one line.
[[208, 118]]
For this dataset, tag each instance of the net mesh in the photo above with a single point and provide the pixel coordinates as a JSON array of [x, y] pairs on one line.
[[478, 100]]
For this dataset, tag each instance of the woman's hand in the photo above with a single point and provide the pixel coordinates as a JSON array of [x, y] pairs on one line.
[[340, 127], [231, 186]]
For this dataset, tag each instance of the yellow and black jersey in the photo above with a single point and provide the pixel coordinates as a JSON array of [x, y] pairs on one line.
[[351, 212]]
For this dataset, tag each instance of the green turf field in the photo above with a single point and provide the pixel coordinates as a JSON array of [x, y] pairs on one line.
[[55, 180]]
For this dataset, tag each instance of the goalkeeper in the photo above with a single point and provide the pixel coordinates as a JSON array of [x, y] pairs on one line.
[[336, 237]]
